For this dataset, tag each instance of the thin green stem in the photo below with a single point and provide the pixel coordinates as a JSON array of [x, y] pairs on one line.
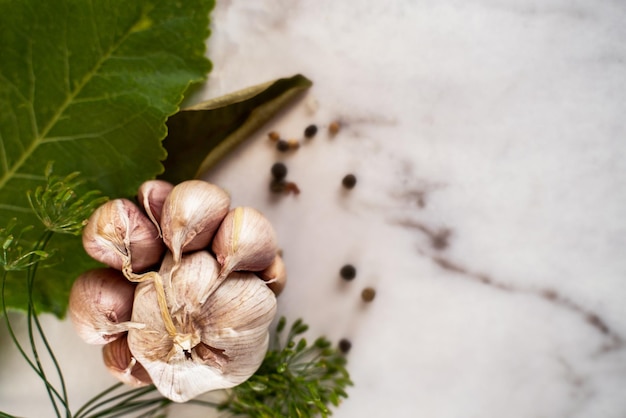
[[123, 409], [150, 412], [31, 313], [16, 341], [98, 396], [129, 395], [44, 243], [57, 367]]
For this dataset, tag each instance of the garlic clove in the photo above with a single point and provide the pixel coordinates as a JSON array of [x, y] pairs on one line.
[[192, 292], [244, 241], [191, 213], [100, 305], [230, 330], [151, 196], [118, 235], [217, 344], [120, 363], [275, 276]]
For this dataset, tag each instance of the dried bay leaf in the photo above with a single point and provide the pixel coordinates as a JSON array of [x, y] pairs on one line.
[[88, 85], [199, 136]]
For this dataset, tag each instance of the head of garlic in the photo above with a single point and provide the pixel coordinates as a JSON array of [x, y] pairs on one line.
[[100, 305], [219, 335], [191, 213], [119, 235], [244, 241]]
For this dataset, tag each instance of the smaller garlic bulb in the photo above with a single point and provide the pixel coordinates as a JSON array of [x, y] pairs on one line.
[[151, 196], [244, 241], [119, 235], [100, 305], [275, 276], [191, 213], [120, 362]]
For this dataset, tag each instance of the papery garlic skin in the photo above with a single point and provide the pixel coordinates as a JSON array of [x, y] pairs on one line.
[[198, 293], [191, 213], [245, 240], [275, 275], [100, 305], [120, 363], [117, 232], [218, 344], [151, 196]]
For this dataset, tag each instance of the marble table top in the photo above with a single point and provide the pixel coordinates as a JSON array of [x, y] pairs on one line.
[[488, 142]]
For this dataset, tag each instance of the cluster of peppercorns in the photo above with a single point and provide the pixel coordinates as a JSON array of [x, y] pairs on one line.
[[279, 184]]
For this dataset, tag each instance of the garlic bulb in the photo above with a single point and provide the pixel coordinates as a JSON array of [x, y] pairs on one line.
[[151, 196], [244, 241], [275, 276], [121, 363], [120, 236], [217, 344], [100, 305], [191, 213]]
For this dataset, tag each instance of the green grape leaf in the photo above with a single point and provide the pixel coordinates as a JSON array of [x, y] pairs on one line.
[[88, 85], [199, 136]]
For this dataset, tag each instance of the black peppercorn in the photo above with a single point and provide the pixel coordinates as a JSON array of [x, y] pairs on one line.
[[310, 131], [279, 171], [349, 181], [347, 272], [344, 345], [282, 145]]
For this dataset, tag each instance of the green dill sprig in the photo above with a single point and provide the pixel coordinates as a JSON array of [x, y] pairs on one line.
[[294, 380], [13, 257], [58, 205]]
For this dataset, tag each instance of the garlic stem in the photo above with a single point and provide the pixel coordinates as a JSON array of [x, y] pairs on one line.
[[162, 300], [157, 281]]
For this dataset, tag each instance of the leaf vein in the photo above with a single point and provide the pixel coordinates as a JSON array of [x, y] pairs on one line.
[[40, 137]]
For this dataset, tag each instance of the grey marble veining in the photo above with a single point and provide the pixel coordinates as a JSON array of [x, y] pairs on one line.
[[488, 139]]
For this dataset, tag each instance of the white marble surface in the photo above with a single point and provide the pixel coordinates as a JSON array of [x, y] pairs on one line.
[[488, 142]]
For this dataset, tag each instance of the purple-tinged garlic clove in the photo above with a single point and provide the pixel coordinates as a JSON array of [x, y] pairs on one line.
[[120, 362], [275, 276], [192, 212], [151, 196], [119, 235], [244, 241], [100, 305]]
